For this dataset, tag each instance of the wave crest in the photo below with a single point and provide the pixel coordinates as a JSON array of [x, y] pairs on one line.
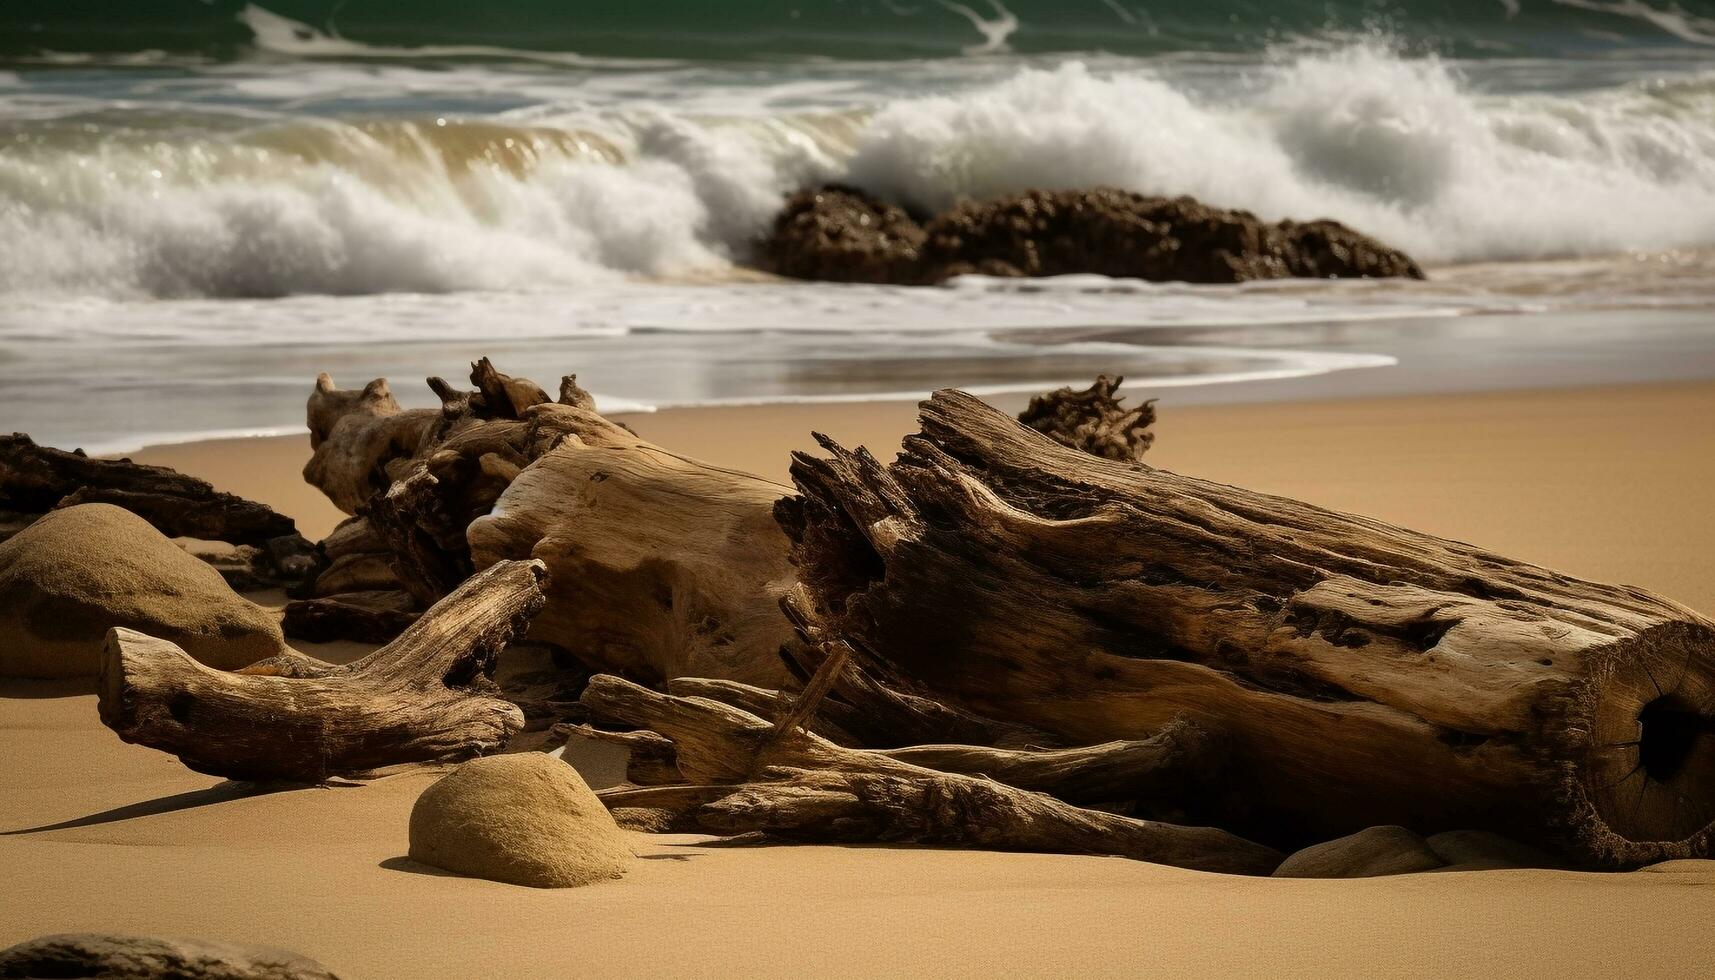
[[1400, 148]]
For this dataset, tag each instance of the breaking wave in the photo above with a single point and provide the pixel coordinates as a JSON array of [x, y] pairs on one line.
[[201, 201]]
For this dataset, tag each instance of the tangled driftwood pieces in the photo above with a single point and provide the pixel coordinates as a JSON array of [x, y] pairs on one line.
[[680, 571], [923, 807], [843, 234], [717, 743], [424, 697], [1093, 420], [424, 516], [1365, 674]]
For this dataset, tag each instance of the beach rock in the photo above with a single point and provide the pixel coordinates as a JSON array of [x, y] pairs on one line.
[[841, 234], [1121, 234], [116, 957], [67, 578], [525, 819], [1368, 853], [1471, 850]]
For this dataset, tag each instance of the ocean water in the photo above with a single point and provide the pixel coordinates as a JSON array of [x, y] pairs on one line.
[[203, 202]]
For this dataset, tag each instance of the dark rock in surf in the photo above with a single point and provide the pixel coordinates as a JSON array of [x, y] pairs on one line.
[[842, 235]]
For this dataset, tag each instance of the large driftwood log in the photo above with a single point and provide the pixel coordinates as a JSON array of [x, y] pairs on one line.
[[661, 566], [424, 697], [1364, 674], [923, 807]]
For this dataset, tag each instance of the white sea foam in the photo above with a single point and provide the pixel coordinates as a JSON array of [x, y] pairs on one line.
[[1395, 147], [559, 195]]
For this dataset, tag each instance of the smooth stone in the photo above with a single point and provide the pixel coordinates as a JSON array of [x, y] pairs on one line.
[[526, 819], [73, 574], [1368, 853]]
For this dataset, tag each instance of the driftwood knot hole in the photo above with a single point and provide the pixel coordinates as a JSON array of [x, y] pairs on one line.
[[1669, 729]]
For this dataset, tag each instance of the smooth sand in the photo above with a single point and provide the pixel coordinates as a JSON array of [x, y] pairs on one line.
[[1605, 483]]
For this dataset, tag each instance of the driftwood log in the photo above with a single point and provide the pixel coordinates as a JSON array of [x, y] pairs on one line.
[[662, 566], [940, 809], [424, 697], [659, 565], [751, 777], [365, 617], [1361, 673], [718, 743], [37, 479]]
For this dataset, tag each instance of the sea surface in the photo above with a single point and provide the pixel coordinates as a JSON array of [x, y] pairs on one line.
[[205, 202]]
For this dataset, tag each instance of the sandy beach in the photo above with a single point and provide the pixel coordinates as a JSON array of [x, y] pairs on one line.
[[1605, 483]]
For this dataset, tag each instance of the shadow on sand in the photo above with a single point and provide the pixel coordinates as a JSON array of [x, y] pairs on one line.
[[219, 793]]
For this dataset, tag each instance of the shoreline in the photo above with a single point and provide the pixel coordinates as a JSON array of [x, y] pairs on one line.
[[263, 389]]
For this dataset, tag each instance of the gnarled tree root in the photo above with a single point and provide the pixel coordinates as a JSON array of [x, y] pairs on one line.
[[424, 697]]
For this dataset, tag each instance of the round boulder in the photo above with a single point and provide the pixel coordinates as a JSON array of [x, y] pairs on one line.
[[69, 577], [1366, 854], [525, 819]]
